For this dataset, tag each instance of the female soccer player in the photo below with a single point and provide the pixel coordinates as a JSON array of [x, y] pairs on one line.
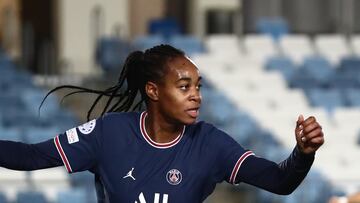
[[162, 154]]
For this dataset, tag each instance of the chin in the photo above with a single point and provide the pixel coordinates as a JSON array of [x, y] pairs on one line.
[[190, 121]]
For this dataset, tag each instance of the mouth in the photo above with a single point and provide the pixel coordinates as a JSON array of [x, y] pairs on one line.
[[193, 112]]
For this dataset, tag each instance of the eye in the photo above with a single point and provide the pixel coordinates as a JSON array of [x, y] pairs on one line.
[[198, 87], [184, 87]]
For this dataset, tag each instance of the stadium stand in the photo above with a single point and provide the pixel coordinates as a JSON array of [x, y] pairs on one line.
[[22, 121], [254, 88], [309, 86]]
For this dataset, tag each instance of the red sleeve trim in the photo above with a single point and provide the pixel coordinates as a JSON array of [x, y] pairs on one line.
[[62, 154], [237, 166]]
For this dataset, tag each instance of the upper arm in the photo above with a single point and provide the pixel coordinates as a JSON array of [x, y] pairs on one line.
[[79, 147]]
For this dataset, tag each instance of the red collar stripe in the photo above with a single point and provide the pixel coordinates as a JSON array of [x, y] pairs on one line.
[[153, 143], [237, 166], [62, 154]]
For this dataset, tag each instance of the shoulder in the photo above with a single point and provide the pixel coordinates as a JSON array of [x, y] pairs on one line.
[[115, 117], [206, 130], [119, 120]]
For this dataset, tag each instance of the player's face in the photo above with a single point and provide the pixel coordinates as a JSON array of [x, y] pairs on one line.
[[179, 93]]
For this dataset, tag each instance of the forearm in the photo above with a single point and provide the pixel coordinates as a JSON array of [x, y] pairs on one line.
[[282, 178], [26, 157]]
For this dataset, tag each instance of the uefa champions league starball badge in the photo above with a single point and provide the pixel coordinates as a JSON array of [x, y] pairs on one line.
[[174, 177], [88, 127]]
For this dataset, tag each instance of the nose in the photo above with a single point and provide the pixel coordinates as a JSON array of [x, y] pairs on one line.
[[196, 96]]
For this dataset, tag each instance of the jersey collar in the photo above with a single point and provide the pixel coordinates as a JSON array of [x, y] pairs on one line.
[[153, 143]]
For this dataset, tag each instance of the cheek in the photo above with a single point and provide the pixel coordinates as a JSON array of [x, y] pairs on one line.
[[176, 98]]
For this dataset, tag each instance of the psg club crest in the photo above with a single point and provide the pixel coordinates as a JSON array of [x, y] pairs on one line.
[[174, 177]]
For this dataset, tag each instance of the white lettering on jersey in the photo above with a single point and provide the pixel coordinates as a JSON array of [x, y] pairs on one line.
[[72, 136], [88, 127], [156, 198]]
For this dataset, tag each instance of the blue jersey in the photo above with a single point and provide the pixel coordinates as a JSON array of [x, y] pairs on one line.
[[134, 168]]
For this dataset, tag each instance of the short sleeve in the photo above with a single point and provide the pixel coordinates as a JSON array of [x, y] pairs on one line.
[[230, 155], [79, 147]]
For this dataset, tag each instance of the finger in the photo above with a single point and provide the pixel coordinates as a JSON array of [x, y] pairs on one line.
[[311, 127], [309, 120], [317, 140], [314, 133]]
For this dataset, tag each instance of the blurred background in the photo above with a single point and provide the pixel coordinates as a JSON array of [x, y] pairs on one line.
[[264, 63]]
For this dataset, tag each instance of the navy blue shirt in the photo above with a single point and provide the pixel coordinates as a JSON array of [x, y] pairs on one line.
[[134, 168]]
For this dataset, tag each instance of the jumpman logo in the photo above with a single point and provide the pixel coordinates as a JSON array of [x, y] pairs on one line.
[[129, 174]]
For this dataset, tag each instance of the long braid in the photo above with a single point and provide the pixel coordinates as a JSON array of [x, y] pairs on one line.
[[139, 68]]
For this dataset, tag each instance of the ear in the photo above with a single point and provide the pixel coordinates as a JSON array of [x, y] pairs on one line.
[[152, 91]]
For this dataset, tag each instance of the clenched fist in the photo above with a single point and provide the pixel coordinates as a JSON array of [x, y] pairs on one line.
[[309, 134]]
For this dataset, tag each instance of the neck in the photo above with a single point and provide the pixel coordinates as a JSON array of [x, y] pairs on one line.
[[160, 129]]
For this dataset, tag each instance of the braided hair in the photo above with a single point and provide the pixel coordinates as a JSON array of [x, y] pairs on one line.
[[138, 69]]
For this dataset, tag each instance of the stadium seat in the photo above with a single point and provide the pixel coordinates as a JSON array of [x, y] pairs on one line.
[[327, 98], [111, 53], [85, 179], [275, 27], [216, 44], [352, 97], [146, 42], [347, 74], [350, 65], [297, 47], [259, 47], [32, 100], [31, 197], [333, 47], [165, 27], [3, 198], [355, 42], [38, 134], [189, 44], [12, 134], [316, 71], [74, 195], [282, 64]]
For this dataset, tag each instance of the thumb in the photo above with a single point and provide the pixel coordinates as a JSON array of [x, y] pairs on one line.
[[300, 120]]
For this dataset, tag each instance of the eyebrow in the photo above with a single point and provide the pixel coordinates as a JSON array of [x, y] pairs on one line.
[[188, 79]]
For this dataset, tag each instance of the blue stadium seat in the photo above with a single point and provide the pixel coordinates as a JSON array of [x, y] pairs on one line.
[[319, 68], [31, 197], [341, 80], [327, 98], [12, 134], [111, 53], [352, 97], [165, 27], [189, 44], [315, 72], [74, 195], [36, 134], [348, 73], [85, 179], [276, 27], [22, 119], [3, 198], [283, 64], [350, 65], [146, 42], [32, 100]]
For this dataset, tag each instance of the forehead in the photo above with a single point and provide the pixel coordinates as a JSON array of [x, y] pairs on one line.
[[180, 67]]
